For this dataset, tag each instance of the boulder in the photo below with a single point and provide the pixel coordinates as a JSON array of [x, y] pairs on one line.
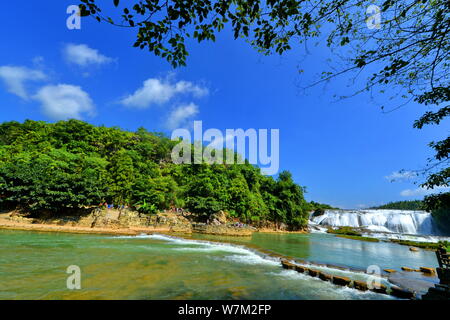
[[325, 277], [313, 273], [288, 265], [402, 293], [408, 269], [413, 249], [300, 269], [218, 218], [381, 288], [389, 270], [341, 281], [428, 270], [360, 285]]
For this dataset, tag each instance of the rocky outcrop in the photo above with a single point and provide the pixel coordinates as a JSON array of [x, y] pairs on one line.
[[402, 293], [380, 288], [389, 270], [430, 271], [324, 276], [218, 218], [300, 269], [313, 273], [408, 269], [341, 281], [288, 265], [223, 230], [120, 219], [360, 285]]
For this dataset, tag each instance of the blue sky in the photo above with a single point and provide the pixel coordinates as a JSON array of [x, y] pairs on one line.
[[341, 151]]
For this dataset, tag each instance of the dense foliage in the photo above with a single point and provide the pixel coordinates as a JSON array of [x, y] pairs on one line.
[[403, 205], [71, 164], [439, 205]]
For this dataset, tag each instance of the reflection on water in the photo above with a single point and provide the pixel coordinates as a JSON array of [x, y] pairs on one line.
[[33, 266]]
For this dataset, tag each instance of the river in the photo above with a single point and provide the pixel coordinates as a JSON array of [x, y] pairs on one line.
[[33, 266]]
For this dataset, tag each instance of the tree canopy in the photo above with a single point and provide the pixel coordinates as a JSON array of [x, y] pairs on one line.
[[71, 165], [403, 205]]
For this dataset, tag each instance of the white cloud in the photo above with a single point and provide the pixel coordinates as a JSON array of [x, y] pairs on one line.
[[82, 55], [15, 77], [401, 175], [180, 115], [422, 191], [160, 91], [64, 101]]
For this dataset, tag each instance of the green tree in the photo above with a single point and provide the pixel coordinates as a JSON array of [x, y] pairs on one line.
[[121, 176], [72, 165], [52, 182]]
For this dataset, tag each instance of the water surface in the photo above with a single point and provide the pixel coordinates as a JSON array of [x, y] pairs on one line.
[[33, 266]]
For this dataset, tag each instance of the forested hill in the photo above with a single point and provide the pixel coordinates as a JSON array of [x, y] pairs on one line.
[[49, 168], [403, 205]]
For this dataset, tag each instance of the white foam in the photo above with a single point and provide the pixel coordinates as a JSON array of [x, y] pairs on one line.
[[342, 292], [409, 237], [139, 236], [252, 259], [397, 221], [240, 253]]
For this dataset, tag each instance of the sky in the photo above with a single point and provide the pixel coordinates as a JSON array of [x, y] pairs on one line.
[[344, 152]]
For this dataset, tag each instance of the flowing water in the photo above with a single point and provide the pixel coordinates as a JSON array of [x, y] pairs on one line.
[[33, 266], [398, 221]]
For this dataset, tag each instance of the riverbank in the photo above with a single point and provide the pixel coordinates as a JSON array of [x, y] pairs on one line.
[[8, 224], [117, 222]]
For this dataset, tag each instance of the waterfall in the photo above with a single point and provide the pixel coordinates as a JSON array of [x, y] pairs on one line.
[[398, 221]]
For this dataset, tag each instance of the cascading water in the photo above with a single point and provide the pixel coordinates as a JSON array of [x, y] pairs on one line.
[[398, 221]]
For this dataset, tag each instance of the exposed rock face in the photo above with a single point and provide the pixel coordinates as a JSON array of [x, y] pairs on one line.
[[218, 218], [381, 288], [360, 285], [341, 281], [313, 273], [227, 230], [402, 293], [114, 219], [300, 269], [325, 277], [288, 265]]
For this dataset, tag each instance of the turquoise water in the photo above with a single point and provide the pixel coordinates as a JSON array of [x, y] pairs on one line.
[[330, 249], [33, 266]]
